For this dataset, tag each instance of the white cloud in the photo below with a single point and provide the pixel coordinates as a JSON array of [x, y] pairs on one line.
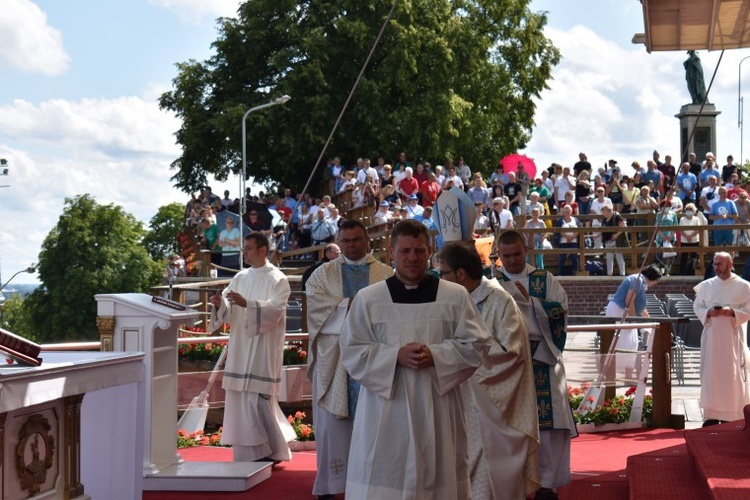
[[194, 11], [27, 42], [620, 102], [103, 127]]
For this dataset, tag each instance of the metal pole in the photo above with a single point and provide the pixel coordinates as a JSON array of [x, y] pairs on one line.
[[740, 107], [243, 202]]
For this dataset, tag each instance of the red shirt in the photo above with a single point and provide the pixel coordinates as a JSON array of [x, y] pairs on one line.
[[408, 186], [430, 192]]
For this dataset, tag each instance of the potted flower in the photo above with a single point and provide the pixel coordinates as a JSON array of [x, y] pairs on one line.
[[613, 414], [305, 433]]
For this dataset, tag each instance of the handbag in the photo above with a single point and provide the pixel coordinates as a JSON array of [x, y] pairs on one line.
[[670, 253]]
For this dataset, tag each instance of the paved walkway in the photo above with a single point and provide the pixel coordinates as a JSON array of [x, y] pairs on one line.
[[580, 365]]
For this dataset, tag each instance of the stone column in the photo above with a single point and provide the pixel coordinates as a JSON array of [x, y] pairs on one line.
[[704, 138]]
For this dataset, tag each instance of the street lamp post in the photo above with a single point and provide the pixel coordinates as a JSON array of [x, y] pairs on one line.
[[243, 201], [4, 170], [31, 269], [740, 109]]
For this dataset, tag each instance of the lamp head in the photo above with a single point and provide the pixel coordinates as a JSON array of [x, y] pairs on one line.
[[282, 100], [31, 269]]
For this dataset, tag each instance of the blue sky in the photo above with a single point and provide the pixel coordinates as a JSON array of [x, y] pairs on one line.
[[80, 79]]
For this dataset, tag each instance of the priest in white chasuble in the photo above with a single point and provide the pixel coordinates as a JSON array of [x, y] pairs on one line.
[[254, 305], [411, 341], [330, 291], [722, 304], [500, 398], [543, 304]]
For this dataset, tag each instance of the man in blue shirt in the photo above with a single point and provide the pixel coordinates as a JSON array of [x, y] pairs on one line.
[[709, 171], [685, 185], [653, 175], [723, 212]]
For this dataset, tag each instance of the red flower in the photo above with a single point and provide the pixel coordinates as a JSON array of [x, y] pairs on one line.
[[630, 391]]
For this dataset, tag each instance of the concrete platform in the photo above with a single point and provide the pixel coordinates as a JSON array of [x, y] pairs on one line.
[[209, 476]]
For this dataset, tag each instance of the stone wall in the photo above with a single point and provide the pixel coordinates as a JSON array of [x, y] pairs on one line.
[[588, 295]]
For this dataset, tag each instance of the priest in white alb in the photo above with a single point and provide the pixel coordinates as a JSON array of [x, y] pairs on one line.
[[254, 305], [330, 290], [722, 304], [411, 341], [500, 397]]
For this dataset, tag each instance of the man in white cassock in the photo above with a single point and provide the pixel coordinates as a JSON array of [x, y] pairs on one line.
[[411, 341], [722, 304], [543, 303], [500, 400], [330, 291], [254, 305]]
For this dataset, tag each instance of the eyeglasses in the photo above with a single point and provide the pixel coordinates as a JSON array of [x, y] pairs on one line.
[[445, 273]]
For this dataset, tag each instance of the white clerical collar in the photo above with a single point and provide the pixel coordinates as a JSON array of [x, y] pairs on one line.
[[361, 261], [522, 275]]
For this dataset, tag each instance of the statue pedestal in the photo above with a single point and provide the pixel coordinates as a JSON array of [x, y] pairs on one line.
[[704, 138]]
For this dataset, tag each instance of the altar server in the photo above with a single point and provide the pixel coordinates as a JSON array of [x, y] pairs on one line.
[[254, 305]]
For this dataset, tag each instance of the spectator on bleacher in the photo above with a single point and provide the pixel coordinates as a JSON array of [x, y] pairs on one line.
[[610, 218], [513, 193], [708, 171], [644, 204], [742, 236], [496, 191], [548, 183], [381, 167], [534, 203], [709, 196], [538, 239], [403, 213], [413, 208], [570, 203], [689, 238], [439, 176], [733, 187], [544, 193], [723, 213], [323, 228], [429, 190], [304, 221], [281, 208], [226, 202], [229, 241], [685, 184], [337, 171], [408, 185], [583, 192], [388, 194], [524, 179], [728, 169], [669, 173], [211, 236], [614, 189], [499, 175], [629, 194], [452, 180], [564, 182], [500, 217], [420, 174], [478, 192], [481, 223], [401, 163], [175, 269], [383, 214], [208, 195], [348, 183], [387, 177], [255, 224], [426, 220], [367, 169], [336, 217], [463, 171], [567, 239], [666, 220], [654, 178], [581, 165]]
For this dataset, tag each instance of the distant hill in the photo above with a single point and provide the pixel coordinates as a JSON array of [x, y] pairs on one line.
[[23, 290]]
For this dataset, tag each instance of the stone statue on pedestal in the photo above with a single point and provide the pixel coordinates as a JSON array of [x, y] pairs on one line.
[[694, 76]]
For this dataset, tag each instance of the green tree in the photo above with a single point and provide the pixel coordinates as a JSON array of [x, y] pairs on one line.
[[450, 77], [161, 239], [15, 318], [93, 249]]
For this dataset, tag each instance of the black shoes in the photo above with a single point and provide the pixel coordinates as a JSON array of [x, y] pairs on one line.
[[545, 494]]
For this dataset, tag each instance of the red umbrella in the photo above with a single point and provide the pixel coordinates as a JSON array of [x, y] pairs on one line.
[[510, 164]]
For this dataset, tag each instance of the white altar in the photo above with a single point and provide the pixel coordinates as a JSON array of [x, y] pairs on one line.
[[133, 321], [56, 439]]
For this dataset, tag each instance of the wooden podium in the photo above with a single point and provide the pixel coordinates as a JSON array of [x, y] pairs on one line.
[[134, 322]]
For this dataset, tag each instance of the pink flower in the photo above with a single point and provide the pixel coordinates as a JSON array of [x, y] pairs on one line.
[[304, 431], [299, 415], [291, 419]]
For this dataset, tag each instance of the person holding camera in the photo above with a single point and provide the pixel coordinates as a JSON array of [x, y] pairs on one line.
[[722, 304]]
